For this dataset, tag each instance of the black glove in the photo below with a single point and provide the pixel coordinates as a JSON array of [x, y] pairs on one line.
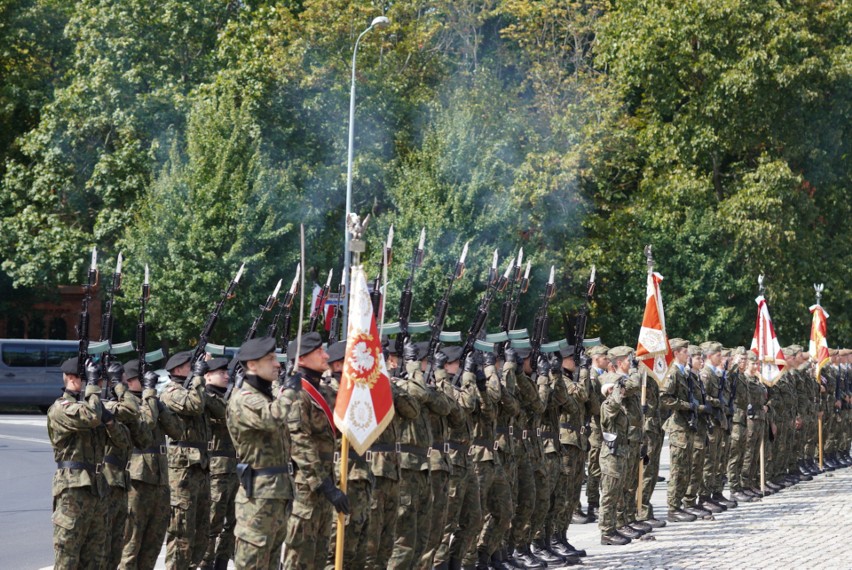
[[200, 368], [542, 366], [93, 373], [409, 352], [644, 409], [106, 415], [585, 361], [294, 382], [693, 405], [643, 451], [555, 363], [470, 363], [440, 360], [335, 496], [511, 355], [646, 460], [481, 379], [240, 374], [489, 358], [115, 372], [150, 379]]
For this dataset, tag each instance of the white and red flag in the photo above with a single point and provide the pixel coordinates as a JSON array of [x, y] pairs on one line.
[[653, 350], [364, 405], [765, 345], [818, 348]]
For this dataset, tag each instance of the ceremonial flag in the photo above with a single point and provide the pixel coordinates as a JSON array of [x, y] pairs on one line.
[[765, 345], [653, 350], [364, 405], [818, 348]]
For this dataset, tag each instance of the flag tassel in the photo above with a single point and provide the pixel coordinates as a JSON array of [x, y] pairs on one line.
[[341, 518]]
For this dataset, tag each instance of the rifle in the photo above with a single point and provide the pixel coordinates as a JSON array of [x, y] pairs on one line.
[[495, 284], [513, 275], [320, 304], [334, 330], [440, 317], [522, 288], [285, 308], [582, 319], [236, 366], [83, 324], [207, 329], [540, 326], [376, 293], [690, 387], [704, 403], [141, 327], [838, 387], [405, 299], [107, 322], [720, 412]]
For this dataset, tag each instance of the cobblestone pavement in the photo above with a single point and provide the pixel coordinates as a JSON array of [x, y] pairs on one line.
[[804, 526]]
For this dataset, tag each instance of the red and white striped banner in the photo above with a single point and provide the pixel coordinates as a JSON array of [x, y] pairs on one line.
[[653, 350], [765, 345], [818, 348]]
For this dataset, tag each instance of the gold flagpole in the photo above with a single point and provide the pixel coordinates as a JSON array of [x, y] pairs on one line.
[[641, 463], [341, 518]]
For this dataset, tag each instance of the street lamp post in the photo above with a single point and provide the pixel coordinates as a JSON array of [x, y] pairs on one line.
[[379, 22]]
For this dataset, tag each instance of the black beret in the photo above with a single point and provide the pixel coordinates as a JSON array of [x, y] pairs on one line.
[[131, 368], [256, 348], [310, 342], [523, 352], [218, 363], [337, 351], [178, 359], [70, 366], [422, 349], [453, 352], [568, 351], [389, 345]]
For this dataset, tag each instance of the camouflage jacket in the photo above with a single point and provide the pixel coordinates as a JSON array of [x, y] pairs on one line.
[[415, 434], [256, 426], [550, 418], [384, 460], [196, 408], [439, 456], [675, 397], [79, 437], [757, 397], [125, 408], [485, 417], [508, 409], [652, 423], [614, 421], [712, 385], [312, 433], [595, 406], [741, 401], [466, 398], [150, 464], [633, 406], [223, 455], [572, 416], [530, 409]]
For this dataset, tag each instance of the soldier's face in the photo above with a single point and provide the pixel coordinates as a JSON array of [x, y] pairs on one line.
[[569, 364], [452, 368], [134, 385], [266, 368], [715, 359], [681, 356], [337, 367], [73, 383], [218, 378], [316, 360], [751, 368]]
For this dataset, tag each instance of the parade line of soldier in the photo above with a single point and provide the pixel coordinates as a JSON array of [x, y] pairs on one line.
[[467, 451]]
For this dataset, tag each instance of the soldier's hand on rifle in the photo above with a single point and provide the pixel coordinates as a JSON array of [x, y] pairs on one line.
[[409, 352], [93, 373], [200, 368], [481, 379], [511, 355], [470, 363], [555, 363], [489, 358], [645, 409], [106, 416], [542, 367], [150, 380], [585, 362], [294, 382], [335, 496], [115, 372], [440, 360]]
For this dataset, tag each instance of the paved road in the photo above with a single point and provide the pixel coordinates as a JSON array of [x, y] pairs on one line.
[[802, 527]]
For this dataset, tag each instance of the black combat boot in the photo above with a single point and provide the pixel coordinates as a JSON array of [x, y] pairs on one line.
[[579, 517], [707, 504], [540, 551], [497, 562], [523, 558], [720, 499], [628, 532], [614, 538], [593, 508], [681, 516], [579, 551], [641, 526], [220, 564], [482, 560]]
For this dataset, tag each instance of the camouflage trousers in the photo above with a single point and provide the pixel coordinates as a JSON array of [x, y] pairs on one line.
[[381, 528], [189, 523], [544, 487], [736, 445], [434, 527], [593, 481], [145, 529], [260, 531], [460, 531], [791, 454], [696, 468], [524, 497], [220, 539], [495, 498], [412, 523], [79, 529], [680, 461], [355, 540], [613, 476], [751, 455], [308, 529], [626, 510], [564, 497], [116, 515], [650, 473], [712, 477], [579, 488]]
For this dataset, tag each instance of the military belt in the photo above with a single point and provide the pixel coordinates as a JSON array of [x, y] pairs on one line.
[[328, 456], [505, 430], [463, 447], [113, 460], [420, 451], [566, 425], [380, 448], [232, 453], [157, 450], [489, 443], [439, 446], [547, 434], [78, 465], [274, 470], [193, 445]]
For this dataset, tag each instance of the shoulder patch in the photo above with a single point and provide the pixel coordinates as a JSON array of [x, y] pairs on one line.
[[245, 393], [67, 402]]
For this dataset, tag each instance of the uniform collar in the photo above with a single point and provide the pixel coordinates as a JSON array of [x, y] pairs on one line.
[[258, 384]]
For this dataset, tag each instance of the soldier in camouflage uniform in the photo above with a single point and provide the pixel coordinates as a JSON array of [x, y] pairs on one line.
[[711, 376], [807, 392], [756, 414], [614, 431], [148, 507], [600, 363], [739, 427], [359, 482], [463, 486], [255, 421], [653, 430], [700, 436], [223, 474], [125, 407], [678, 396], [189, 461], [384, 465], [312, 434], [79, 432]]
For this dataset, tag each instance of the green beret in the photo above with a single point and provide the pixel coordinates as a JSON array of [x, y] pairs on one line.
[[310, 342], [598, 350], [619, 352], [678, 343], [178, 359], [337, 351], [70, 366], [256, 348]]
